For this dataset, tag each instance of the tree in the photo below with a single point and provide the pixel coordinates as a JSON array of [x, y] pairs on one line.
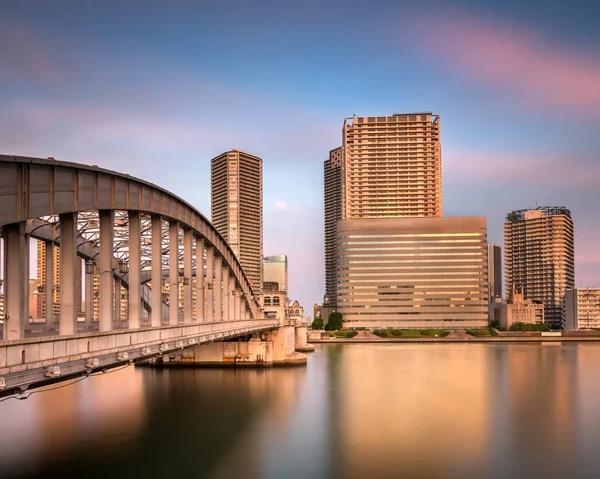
[[335, 322], [317, 323]]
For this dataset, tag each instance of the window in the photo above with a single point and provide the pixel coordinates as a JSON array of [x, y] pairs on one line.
[[276, 301], [267, 301]]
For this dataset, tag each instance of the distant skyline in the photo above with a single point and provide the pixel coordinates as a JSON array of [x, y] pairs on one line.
[[156, 90]]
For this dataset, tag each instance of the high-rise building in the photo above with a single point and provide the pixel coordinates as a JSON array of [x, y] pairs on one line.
[[539, 256], [582, 308], [275, 270], [391, 166], [494, 262], [398, 263], [237, 209], [333, 213], [413, 272], [41, 269]]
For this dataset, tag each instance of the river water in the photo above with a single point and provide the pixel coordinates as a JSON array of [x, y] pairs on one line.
[[356, 411]]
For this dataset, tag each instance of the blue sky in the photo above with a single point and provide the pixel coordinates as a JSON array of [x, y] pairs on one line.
[[156, 89]]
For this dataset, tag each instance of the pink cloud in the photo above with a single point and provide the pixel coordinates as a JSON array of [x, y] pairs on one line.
[[24, 55], [541, 73], [515, 166]]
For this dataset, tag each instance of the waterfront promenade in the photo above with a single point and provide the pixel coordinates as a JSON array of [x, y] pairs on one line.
[[456, 336]]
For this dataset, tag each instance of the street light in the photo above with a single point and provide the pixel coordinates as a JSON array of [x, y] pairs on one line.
[[89, 267], [123, 267]]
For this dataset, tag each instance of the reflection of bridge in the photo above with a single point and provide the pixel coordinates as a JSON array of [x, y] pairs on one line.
[[122, 227]]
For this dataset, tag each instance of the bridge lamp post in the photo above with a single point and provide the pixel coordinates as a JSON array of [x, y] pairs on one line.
[[123, 267]]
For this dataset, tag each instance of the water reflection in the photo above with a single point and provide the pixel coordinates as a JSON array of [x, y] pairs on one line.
[[438, 410]]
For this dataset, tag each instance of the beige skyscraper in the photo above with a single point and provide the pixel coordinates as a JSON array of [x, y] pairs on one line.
[[237, 209], [398, 262], [391, 166], [539, 256], [332, 170]]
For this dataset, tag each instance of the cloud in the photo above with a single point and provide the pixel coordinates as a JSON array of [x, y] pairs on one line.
[[541, 73], [565, 170], [25, 55]]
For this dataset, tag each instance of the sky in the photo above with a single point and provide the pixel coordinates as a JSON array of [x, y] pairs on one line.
[[157, 89]]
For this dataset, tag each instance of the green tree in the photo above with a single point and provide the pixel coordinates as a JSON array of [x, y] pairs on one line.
[[335, 322], [317, 323]]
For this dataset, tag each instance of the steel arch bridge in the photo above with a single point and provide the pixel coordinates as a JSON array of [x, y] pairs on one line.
[[122, 227]]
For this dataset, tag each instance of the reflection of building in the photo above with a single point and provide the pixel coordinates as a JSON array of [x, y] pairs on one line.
[[333, 213], [275, 270], [582, 308], [41, 269], [236, 209], [494, 263], [413, 272], [539, 256], [517, 309]]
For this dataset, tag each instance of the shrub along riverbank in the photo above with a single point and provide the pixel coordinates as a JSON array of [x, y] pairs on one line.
[[411, 333]]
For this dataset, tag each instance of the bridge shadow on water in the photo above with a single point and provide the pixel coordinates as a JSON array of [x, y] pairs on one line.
[[143, 422]]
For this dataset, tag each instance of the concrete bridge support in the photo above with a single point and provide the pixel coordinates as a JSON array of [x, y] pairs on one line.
[[16, 281], [68, 273], [302, 345], [284, 346], [106, 269], [135, 271]]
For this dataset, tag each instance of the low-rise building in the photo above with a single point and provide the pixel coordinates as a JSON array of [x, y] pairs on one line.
[[582, 308], [517, 309]]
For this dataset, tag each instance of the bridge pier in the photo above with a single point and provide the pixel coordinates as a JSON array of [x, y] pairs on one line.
[[302, 345], [106, 269], [135, 271], [68, 273], [16, 281]]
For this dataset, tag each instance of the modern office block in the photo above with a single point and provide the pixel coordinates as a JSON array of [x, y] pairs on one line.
[[275, 270], [413, 272], [539, 257], [237, 209]]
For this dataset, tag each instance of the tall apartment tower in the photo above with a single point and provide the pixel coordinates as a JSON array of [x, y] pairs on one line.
[[333, 213], [539, 256], [41, 268], [237, 209], [494, 261], [275, 270], [391, 166]]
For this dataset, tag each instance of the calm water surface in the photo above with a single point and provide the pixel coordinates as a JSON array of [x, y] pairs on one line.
[[356, 411]]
